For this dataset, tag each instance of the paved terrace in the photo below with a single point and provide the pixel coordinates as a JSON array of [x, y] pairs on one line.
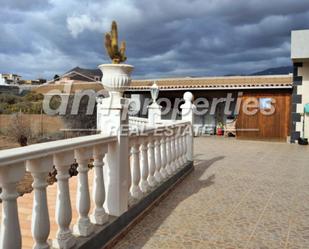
[[242, 194]]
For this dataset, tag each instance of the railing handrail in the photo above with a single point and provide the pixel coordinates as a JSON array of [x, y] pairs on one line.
[[138, 118], [16, 155], [151, 129]]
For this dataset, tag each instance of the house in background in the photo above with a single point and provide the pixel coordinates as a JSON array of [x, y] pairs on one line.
[[33, 82], [79, 75], [2, 81], [79, 78], [277, 88], [7, 88], [10, 78]]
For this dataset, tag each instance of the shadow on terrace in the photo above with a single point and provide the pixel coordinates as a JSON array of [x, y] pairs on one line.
[[162, 211]]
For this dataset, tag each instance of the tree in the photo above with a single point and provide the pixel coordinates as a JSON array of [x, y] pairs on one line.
[[20, 129], [56, 77]]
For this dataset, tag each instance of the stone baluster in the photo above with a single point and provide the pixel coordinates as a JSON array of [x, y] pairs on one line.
[[144, 165], [169, 168], [129, 180], [99, 215], [176, 142], [10, 236], [151, 162], [40, 225], [187, 138], [180, 143], [158, 161], [64, 237], [135, 190], [182, 148], [83, 227], [163, 158], [173, 152]]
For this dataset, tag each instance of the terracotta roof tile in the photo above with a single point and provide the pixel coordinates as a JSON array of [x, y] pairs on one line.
[[284, 81]]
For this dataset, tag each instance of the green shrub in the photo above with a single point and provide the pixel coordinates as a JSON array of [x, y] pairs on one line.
[[30, 103], [10, 99], [33, 97]]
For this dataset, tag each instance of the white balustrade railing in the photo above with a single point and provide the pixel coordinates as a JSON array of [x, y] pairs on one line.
[[154, 157], [144, 122], [39, 159], [138, 121]]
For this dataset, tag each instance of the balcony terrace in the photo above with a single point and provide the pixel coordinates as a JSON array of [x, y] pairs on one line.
[[242, 194], [63, 215]]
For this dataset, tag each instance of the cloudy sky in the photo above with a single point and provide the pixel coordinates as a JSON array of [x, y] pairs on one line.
[[40, 38]]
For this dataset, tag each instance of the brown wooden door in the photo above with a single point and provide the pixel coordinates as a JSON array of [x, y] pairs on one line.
[[260, 126]]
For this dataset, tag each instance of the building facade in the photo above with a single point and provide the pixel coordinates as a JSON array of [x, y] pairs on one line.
[[227, 98], [11, 78], [300, 97]]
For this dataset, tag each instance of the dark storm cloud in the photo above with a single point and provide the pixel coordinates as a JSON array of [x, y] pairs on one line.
[[24, 5], [164, 38]]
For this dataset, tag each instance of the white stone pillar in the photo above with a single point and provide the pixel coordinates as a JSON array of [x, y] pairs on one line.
[[151, 162], [114, 122], [163, 158], [158, 161], [113, 116], [40, 225], [99, 215], [10, 236], [154, 113], [83, 227], [187, 111], [135, 190], [64, 237]]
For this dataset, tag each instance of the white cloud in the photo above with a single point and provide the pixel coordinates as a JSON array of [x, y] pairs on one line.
[[97, 16], [164, 37], [77, 24]]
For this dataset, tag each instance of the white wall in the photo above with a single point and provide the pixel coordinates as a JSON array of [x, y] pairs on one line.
[[2, 81], [299, 44]]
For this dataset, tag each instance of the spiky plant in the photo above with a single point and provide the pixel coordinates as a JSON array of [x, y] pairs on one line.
[[111, 44]]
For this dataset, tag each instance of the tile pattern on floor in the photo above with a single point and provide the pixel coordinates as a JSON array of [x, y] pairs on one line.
[[242, 194]]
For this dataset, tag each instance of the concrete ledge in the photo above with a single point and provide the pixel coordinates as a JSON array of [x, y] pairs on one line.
[[107, 236]]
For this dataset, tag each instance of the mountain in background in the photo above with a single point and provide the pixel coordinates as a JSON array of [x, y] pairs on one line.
[[275, 70]]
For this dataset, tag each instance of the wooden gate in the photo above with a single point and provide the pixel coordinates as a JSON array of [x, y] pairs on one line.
[[259, 126]]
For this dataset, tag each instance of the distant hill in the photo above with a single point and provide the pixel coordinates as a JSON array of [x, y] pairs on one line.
[[275, 70]]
